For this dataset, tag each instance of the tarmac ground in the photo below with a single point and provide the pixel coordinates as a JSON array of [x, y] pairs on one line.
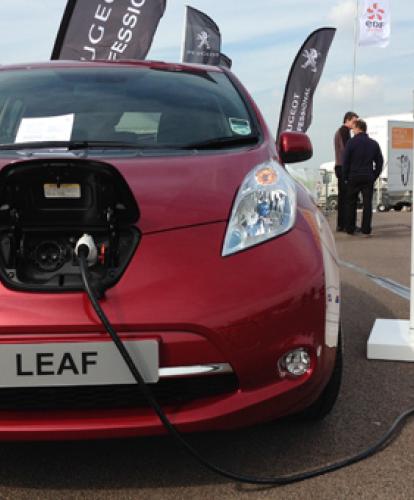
[[373, 394]]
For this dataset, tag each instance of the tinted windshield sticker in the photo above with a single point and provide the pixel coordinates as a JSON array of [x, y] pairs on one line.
[[48, 128], [240, 126]]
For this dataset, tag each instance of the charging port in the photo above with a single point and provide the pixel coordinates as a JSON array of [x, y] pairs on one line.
[[49, 256], [48, 208]]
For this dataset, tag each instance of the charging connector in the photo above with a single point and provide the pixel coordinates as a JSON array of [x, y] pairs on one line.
[[89, 249]]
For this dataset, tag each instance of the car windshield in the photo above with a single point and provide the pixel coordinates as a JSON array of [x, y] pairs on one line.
[[135, 107]]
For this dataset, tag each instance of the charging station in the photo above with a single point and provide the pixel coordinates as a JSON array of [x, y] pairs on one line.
[[393, 339]]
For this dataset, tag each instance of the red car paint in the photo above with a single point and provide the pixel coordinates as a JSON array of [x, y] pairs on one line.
[[247, 309]]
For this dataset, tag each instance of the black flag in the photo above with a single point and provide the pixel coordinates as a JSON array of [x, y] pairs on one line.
[[202, 42], [304, 76], [104, 29]]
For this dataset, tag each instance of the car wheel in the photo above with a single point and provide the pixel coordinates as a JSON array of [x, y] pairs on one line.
[[382, 208], [324, 404], [398, 207], [333, 203]]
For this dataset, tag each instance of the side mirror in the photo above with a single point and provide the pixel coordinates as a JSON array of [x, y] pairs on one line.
[[294, 147]]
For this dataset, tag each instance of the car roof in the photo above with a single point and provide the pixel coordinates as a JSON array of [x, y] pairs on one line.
[[160, 65]]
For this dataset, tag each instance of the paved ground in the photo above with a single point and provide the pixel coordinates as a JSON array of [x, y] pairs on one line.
[[373, 394], [387, 252]]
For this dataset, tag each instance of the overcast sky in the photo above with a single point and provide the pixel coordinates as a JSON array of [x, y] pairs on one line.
[[262, 37]]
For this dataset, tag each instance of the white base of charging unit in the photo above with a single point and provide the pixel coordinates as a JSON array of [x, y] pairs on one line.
[[391, 339]]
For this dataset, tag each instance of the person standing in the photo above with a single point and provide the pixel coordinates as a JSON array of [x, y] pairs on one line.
[[362, 164], [342, 136]]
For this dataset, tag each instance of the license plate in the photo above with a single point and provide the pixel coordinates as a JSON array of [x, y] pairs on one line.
[[83, 363]]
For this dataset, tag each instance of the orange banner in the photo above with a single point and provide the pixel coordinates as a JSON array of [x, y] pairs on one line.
[[402, 138]]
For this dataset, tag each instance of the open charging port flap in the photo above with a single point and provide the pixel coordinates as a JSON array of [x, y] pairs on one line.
[[46, 206]]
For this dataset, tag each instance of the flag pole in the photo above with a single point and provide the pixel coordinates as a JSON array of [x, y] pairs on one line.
[[183, 35], [355, 54]]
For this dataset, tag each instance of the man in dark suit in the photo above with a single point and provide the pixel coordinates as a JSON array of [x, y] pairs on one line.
[[362, 164], [342, 136]]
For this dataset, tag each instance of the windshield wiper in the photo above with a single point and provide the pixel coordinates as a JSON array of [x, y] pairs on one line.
[[70, 145], [78, 145], [219, 142]]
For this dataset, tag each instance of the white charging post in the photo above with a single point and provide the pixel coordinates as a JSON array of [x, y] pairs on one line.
[[393, 339]]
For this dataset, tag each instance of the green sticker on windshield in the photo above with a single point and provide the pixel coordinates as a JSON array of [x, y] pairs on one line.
[[240, 126]]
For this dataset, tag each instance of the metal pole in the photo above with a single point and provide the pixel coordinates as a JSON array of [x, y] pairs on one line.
[[378, 190], [183, 35], [326, 193], [355, 54], [413, 104], [412, 259]]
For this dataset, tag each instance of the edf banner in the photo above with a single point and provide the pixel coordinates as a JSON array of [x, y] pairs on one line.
[[304, 76], [202, 42], [108, 29], [375, 23]]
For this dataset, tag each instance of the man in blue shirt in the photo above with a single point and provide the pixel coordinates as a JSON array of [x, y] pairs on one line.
[[362, 164]]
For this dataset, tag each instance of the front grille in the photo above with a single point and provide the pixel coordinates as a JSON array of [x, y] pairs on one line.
[[167, 392]]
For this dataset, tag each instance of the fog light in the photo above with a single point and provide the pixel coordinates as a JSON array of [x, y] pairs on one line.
[[296, 362]]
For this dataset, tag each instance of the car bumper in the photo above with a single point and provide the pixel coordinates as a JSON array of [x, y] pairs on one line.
[[243, 408], [246, 311]]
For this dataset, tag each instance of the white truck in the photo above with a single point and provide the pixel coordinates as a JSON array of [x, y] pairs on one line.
[[327, 186]]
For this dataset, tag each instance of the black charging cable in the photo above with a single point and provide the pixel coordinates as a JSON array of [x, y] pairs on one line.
[[385, 440]]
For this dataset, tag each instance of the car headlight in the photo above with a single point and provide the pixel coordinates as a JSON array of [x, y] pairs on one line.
[[265, 207]]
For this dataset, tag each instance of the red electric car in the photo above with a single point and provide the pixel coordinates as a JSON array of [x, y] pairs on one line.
[[213, 264]]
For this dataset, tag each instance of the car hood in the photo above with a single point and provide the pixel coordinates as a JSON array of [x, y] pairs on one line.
[[183, 190]]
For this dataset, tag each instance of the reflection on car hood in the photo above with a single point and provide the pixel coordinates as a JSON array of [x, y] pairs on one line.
[[181, 190]]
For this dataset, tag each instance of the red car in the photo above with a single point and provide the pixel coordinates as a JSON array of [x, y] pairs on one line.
[[213, 264]]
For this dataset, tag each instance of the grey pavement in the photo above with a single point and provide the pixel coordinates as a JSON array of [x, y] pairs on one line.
[[372, 396]]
